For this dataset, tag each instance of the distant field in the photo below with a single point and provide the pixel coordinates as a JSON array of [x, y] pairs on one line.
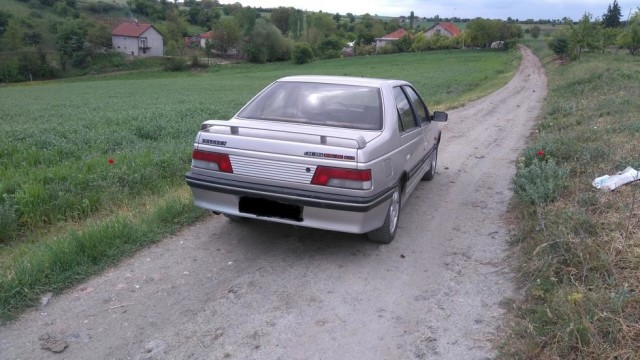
[[56, 138]]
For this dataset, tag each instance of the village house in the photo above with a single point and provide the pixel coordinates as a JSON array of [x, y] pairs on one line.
[[137, 39], [394, 36], [199, 40], [447, 29]]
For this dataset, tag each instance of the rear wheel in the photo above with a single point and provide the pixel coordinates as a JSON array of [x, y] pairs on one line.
[[387, 232], [431, 173]]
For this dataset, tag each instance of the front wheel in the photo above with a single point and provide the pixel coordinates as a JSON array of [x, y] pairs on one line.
[[431, 173], [387, 232]]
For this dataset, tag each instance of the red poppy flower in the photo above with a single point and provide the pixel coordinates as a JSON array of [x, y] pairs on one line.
[[540, 153], [111, 161]]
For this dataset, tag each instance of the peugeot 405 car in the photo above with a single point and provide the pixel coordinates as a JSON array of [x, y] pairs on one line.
[[328, 152]]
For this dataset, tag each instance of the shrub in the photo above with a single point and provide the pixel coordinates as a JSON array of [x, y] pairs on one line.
[[302, 53], [535, 31], [175, 64], [540, 182], [196, 63], [559, 44], [389, 48]]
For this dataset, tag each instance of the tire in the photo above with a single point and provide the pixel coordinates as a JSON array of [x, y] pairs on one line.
[[387, 232], [431, 173]]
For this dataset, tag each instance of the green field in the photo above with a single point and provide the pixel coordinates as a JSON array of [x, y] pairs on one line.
[[56, 138], [83, 153]]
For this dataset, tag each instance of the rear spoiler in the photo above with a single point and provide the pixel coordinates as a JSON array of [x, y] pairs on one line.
[[358, 142]]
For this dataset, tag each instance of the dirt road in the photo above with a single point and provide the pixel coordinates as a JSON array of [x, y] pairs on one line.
[[256, 290]]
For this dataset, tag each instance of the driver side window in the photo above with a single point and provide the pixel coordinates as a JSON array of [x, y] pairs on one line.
[[418, 105], [406, 119]]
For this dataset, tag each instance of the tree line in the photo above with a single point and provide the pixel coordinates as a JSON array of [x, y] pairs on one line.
[[37, 47], [588, 34]]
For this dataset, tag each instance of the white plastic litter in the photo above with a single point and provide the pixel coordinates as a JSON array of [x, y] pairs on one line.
[[611, 182]]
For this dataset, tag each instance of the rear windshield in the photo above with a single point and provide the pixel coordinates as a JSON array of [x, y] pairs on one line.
[[345, 106]]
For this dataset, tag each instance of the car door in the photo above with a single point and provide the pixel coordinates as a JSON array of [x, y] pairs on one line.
[[412, 142], [430, 131]]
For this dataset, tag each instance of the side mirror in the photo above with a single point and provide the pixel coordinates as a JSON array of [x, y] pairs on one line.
[[439, 116]]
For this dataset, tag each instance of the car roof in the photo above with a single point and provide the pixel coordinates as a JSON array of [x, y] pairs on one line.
[[344, 80]]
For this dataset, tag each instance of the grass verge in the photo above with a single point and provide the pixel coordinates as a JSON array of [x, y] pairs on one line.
[[56, 263], [578, 248]]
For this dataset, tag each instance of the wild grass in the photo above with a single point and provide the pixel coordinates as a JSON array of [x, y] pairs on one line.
[[579, 251], [81, 158], [61, 261]]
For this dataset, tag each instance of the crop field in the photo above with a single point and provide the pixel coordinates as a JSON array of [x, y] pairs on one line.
[[83, 152]]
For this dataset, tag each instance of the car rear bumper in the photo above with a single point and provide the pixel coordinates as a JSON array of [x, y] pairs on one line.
[[305, 208]]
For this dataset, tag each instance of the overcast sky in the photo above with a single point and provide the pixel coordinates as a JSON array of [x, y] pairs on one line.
[[491, 9]]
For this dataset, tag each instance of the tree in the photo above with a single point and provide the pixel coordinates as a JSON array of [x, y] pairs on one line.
[[302, 53], [281, 18], [611, 19], [99, 36], [34, 65], [411, 19], [319, 27], [246, 18], [70, 40], [176, 27], [4, 20], [226, 34], [351, 18], [337, 18], [482, 32], [151, 8], [404, 43], [559, 43], [535, 31], [13, 38], [630, 38], [268, 44], [585, 35]]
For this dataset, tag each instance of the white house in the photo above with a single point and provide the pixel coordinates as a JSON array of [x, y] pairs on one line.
[[137, 39]]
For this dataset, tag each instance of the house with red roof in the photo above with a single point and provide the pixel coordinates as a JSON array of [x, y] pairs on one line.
[[396, 35], [447, 29], [199, 40], [137, 39]]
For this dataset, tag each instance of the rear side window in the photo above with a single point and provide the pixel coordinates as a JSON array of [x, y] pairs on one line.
[[337, 105], [406, 118]]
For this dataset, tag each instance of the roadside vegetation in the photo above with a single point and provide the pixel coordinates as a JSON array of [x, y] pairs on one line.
[[50, 39], [577, 248], [93, 168]]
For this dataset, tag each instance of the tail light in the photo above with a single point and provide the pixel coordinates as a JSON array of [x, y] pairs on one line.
[[211, 161], [342, 178]]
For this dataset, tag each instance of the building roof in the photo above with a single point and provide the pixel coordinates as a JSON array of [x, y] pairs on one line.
[[206, 35], [395, 35], [449, 26], [131, 29]]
